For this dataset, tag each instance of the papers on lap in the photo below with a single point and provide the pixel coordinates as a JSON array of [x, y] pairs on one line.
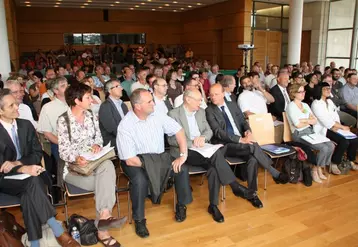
[[92, 156], [207, 150], [275, 149], [315, 138], [347, 134], [18, 177]]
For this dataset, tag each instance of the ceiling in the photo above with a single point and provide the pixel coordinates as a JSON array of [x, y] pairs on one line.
[[152, 5]]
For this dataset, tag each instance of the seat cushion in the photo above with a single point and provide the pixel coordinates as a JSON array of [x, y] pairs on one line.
[[75, 191], [196, 170], [234, 160], [7, 200]]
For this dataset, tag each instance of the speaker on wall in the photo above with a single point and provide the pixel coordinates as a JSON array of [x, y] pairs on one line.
[[105, 15]]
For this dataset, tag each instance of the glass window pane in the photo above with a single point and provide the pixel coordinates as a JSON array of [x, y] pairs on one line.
[[339, 62], [286, 11], [268, 9], [339, 43], [267, 22], [357, 64], [285, 24], [91, 38], [341, 14]]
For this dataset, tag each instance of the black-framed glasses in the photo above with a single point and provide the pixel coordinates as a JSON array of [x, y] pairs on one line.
[[118, 86]]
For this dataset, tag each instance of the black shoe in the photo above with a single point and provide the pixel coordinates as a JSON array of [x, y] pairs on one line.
[[255, 201], [141, 229], [215, 212], [282, 178], [240, 190], [180, 213]]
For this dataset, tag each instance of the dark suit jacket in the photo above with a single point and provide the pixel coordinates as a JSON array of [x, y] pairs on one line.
[[31, 149], [109, 119], [276, 108], [167, 104], [217, 123]]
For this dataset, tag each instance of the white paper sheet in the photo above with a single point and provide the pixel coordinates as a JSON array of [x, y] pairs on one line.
[[315, 138], [207, 150], [347, 134], [92, 156], [18, 177]]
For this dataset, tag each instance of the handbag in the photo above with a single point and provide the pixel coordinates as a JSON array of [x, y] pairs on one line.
[[10, 231], [92, 165], [344, 166], [88, 231]]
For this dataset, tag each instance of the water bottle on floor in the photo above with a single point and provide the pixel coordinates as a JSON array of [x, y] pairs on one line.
[[76, 235]]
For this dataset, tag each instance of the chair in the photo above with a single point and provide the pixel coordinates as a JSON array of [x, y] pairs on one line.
[[262, 128], [128, 104], [287, 134], [232, 161]]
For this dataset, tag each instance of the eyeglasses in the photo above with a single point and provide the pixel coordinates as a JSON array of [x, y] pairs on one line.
[[164, 85], [197, 100], [118, 86]]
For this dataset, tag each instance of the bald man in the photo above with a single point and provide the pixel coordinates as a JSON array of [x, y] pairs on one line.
[[162, 103], [198, 133], [231, 129]]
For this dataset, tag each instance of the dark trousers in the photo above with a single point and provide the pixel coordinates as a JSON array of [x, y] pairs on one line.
[[254, 156], [139, 187], [349, 111], [36, 207], [219, 172], [343, 145], [54, 152]]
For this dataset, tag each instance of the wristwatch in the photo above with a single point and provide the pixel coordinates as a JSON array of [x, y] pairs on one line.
[[183, 154]]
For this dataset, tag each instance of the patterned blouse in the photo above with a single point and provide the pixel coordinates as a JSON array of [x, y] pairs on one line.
[[83, 136]]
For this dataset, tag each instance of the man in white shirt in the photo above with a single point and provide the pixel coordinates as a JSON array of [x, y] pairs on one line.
[[191, 84], [269, 80], [141, 83], [162, 103], [18, 93], [50, 113], [214, 73], [254, 98]]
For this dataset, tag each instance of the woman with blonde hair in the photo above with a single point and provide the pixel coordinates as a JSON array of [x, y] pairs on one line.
[[96, 101]]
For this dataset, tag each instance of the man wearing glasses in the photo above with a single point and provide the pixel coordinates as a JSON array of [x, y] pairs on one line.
[[191, 84], [162, 103], [111, 112]]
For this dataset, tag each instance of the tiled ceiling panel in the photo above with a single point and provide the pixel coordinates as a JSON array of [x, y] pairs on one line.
[[151, 5]]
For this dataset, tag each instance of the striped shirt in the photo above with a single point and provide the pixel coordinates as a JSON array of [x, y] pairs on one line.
[[135, 136]]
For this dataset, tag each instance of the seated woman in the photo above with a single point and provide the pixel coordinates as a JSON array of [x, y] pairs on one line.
[[174, 87], [312, 81], [85, 135], [301, 120], [96, 101], [20, 152], [329, 124]]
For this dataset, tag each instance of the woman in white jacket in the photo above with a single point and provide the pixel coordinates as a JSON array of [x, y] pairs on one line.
[[329, 124]]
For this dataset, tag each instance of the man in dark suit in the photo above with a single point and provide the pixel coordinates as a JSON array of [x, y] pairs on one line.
[[20, 153], [231, 129], [197, 131], [280, 94], [228, 83], [111, 112]]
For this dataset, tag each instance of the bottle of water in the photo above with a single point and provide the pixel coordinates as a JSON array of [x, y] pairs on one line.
[[76, 235]]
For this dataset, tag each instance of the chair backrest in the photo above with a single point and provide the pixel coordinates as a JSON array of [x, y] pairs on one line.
[[128, 104], [287, 135], [262, 128]]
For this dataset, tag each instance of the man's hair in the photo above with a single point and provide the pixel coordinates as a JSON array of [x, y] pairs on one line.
[[33, 87], [281, 72], [149, 76], [9, 83], [242, 78], [3, 92], [218, 78], [135, 97], [109, 84], [187, 93], [253, 74], [227, 81], [187, 82], [78, 72], [325, 76], [56, 82], [76, 91], [334, 70], [350, 75]]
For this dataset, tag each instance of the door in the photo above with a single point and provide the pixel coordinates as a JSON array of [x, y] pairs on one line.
[[267, 47]]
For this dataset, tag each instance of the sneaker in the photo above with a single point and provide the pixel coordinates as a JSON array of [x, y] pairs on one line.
[[315, 177], [180, 213], [320, 173], [335, 170], [141, 229]]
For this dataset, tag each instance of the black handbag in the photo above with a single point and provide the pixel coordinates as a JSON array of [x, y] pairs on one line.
[[88, 231], [344, 166]]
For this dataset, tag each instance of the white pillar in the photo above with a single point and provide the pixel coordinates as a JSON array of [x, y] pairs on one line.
[[5, 67], [295, 31]]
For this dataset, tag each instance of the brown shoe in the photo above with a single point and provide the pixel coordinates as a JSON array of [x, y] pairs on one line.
[[111, 222], [65, 240]]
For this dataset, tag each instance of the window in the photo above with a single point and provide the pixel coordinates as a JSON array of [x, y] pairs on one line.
[[339, 43], [105, 38], [341, 14]]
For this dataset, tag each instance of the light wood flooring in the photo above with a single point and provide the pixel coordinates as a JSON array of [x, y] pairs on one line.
[[293, 215]]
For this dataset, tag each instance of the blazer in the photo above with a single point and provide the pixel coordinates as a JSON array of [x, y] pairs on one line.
[[217, 123], [167, 103], [178, 114], [278, 107], [109, 119], [30, 146]]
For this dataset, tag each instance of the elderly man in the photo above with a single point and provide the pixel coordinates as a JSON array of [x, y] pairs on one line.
[[214, 73], [229, 84], [231, 129], [162, 103], [280, 94], [141, 83], [254, 98], [20, 153], [197, 131], [111, 112], [350, 94], [142, 132], [191, 84]]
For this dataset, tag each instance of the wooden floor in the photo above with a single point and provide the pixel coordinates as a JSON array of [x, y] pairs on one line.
[[293, 215]]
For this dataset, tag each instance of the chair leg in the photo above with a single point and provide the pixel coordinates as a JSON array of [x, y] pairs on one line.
[[118, 207], [265, 179], [66, 208], [202, 179], [223, 193], [129, 204]]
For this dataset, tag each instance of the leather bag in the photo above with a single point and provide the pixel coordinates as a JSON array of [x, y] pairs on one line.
[[10, 231]]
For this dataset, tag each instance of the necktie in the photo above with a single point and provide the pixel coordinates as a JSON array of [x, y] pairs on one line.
[[287, 100], [229, 128], [16, 141]]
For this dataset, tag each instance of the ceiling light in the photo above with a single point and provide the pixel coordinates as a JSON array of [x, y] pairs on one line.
[[56, 6], [82, 7], [198, 3], [189, 6], [131, 8], [27, 2], [175, 2], [90, 1], [167, 5], [149, 0], [153, 9], [58, 3], [28, 5], [175, 10], [137, 6], [160, 7], [85, 4], [117, 2], [182, 8], [142, 3], [112, 5]]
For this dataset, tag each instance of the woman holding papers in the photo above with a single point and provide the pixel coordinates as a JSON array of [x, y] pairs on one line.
[[78, 133], [301, 120], [330, 126]]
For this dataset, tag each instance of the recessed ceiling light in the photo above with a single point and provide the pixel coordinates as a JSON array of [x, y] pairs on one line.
[[153, 9], [112, 5], [149, 0], [90, 1], [198, 3], [28, 5], [82, 7], [160, 7], [117, 2], [27, 2], [167, 5], [182, 8], [58, 3], [137, 6], [85, 4], [142, 3], [175, 10], [131, 8], [189, 6], [175, 2], [55, 6]]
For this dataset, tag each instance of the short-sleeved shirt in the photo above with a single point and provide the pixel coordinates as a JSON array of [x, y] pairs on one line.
[[294, 114], [136, 136], [350, 94], [49, 115], [253, 101]]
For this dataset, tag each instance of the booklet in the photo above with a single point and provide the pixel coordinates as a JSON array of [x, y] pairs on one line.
[[315, 138], [207, 150], [347, 134], [90, 156], [274, 149], [18, 177]]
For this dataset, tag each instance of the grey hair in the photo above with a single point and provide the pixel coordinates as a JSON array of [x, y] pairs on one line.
[[9, 83], [188, 93], [135, 97], [227, 80], [3, 92], [109, 84], [54, 84]]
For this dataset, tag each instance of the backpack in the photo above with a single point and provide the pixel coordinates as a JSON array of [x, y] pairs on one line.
[[88, 231], [10, 230], [292, 167]]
